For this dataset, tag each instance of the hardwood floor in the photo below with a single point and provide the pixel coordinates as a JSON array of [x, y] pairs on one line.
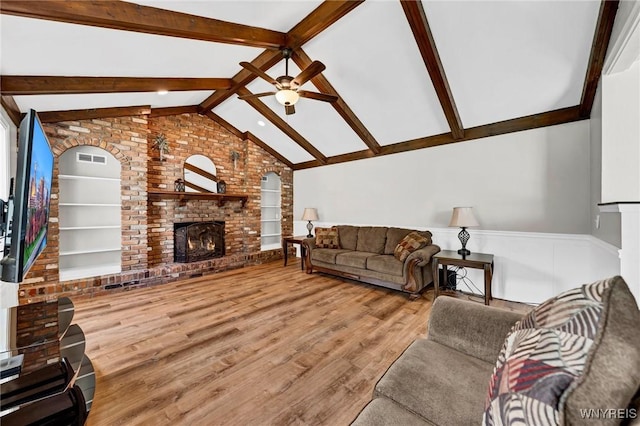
[[263, 345]]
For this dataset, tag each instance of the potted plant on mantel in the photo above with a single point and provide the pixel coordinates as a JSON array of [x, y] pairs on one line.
[[161, 144]]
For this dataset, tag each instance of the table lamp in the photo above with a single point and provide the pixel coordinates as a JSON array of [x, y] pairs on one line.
[[463, 217], [310, 214]]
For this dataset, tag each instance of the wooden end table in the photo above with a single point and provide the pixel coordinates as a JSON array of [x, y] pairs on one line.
[[293, 240], [473, 260]]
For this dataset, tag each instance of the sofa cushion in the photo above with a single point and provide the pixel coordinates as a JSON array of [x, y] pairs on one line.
[[356, 259], [348, 236], [326, 255], [327, 238], [395, 235], [371, 239], [579, 350], [410, 243], [444, 386], [385, 263], [385, 412]]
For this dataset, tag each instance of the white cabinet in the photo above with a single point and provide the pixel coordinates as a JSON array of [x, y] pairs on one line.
[[270, 217], [90, 214]]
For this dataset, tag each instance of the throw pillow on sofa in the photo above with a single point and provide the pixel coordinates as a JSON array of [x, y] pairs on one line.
[[412, 242], [575, 354], [327, 238]]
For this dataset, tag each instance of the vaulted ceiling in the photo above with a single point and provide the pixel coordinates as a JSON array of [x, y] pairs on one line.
[[408, 74]]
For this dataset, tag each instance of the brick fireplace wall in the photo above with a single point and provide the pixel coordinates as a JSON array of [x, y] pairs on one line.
[[147, 224]]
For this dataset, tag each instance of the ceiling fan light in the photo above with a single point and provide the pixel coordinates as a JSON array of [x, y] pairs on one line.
[[287, 97]]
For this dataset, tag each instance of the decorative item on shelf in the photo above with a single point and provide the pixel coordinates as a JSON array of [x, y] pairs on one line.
[[179, 185], [222, 187], [235, 156], [463, 217], [310, 214], [161, 144]]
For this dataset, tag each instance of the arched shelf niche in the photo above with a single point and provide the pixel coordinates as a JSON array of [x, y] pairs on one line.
[[89, 213]]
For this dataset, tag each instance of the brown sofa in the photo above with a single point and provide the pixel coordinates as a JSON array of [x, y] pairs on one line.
[[366, 253], [444, 379]]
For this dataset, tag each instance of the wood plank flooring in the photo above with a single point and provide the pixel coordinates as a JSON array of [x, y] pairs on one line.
[[263, 345]]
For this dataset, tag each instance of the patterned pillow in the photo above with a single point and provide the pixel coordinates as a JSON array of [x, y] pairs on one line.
[[412, 242], [327, 238], [545, 354]]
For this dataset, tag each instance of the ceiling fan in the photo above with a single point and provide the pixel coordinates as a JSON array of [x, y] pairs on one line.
[[288, 91]]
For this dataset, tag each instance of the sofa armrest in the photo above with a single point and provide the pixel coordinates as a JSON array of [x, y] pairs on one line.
[[421, 257], [470, 327], [309, 243]]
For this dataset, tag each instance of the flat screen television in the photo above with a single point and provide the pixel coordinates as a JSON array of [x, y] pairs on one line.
[[27, 231]]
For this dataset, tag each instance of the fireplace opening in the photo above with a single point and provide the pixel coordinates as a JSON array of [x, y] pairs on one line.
[[194, 241]]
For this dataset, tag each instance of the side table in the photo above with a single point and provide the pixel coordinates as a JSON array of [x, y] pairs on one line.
[[293, 240], [473, 260]]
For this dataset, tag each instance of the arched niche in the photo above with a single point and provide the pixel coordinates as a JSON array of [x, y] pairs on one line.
[[271, 213], [90, 211], [200, 174]]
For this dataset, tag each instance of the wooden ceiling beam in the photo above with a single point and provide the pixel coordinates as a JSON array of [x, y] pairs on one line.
[[12, 109], [88, 114], [322, 17], [54, 85], [264, 61], [224, 123], [322, 84], [163, 112], [414, 11], [604, 26], [248, 136], [550, 118], [256, 140], [127, 16], [277, 121]]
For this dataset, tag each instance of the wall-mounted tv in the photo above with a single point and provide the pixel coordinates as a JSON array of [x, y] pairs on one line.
[[27, 231]]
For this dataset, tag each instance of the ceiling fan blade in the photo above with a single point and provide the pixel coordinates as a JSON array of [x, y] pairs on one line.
[[257, 71], [255, 95], [311, 71], [317, 96], [289, 109]]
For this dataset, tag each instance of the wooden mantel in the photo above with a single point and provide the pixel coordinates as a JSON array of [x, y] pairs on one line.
[[222, 198]]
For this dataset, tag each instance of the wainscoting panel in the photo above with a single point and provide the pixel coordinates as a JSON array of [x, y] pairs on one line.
[[529, 267]]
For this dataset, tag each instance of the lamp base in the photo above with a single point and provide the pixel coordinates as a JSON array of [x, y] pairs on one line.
[[309, 228], [464, 252]]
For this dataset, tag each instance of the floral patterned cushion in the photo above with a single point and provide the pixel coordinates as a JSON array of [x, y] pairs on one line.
[[327, 238], [548, 354], [412, 242]]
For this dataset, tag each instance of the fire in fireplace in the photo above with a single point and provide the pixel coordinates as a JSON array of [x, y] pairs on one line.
[[194, 241]]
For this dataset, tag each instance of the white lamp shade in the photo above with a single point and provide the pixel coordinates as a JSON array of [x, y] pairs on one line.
[[287, 97], [463, 217], [310, 214]]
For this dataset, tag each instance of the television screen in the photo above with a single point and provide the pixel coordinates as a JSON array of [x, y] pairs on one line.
[[32, 199]]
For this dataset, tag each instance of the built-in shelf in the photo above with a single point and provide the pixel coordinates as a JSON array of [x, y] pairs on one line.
[[89, 205], [270, 207], [76, 252], [81, 228], [89, 271], [221, 198], [270, 220], [78, 177], [270, 190], [269, 235]]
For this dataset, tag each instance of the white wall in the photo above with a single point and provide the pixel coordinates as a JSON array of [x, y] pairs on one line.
[[603, 226], [535, 181], [8, 291], [621, 135], [530, 191]]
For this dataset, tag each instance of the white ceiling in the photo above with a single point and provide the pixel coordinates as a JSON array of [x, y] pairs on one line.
[[503, 60]]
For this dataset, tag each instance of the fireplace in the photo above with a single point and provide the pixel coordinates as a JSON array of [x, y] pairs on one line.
[[194, 241]]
